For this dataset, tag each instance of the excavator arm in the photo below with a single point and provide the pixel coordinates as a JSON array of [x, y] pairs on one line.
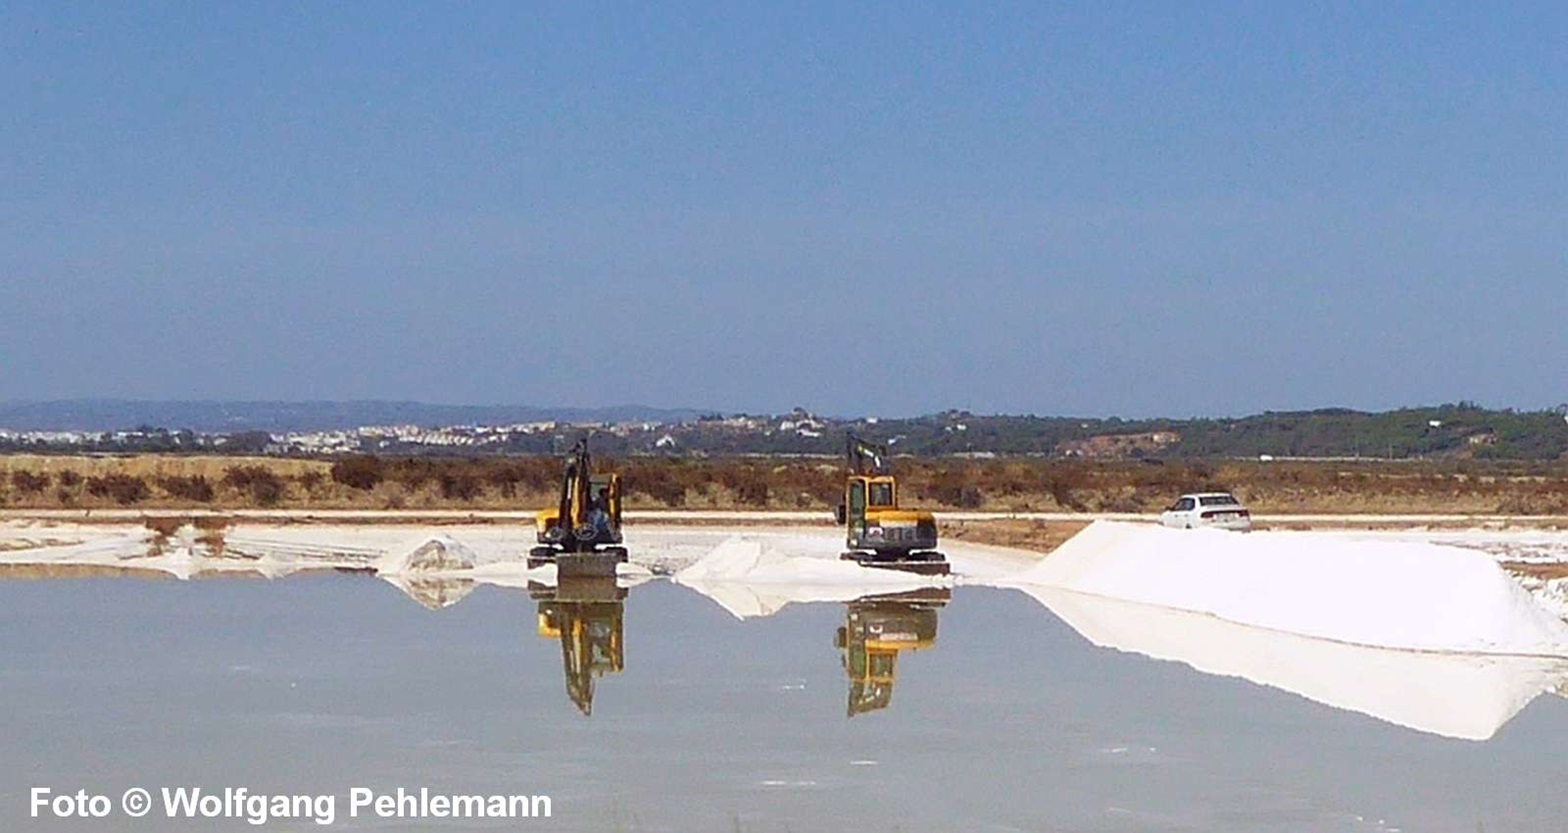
[[581, 524], [574, 488], [863, 457]]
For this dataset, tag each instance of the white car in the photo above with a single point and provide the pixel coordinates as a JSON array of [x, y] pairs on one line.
[[1216, 509]]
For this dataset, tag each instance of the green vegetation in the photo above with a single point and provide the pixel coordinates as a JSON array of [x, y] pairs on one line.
[[1442, 432], [1462, 430]]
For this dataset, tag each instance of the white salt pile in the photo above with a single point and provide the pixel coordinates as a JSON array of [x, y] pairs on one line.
[[750, 578], [438, 554], [1409, 595]]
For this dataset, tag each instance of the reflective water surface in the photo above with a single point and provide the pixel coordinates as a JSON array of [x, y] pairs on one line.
[[655, 709]]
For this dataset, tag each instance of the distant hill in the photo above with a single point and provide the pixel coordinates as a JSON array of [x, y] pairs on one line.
[[232, 417], [1453, 432]]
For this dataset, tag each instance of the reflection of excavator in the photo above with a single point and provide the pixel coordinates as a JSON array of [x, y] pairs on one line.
[[877, 532], [876, 630], [586, 615], [583, 530]]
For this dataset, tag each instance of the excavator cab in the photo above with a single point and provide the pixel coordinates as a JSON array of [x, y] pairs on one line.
[[877, 531], [587, 616], [582, 532], [876, 630]]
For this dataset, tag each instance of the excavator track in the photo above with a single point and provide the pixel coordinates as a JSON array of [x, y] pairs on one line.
[[919, 563]]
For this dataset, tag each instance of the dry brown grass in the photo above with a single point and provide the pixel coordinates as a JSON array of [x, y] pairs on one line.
[[154, 465], [1036, 536], [1008, 485], [1530, 569]]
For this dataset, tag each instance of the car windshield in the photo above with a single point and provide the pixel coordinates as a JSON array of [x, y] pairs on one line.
[[1217, 500]]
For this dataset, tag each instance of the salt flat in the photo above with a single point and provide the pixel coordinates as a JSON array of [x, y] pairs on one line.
[[1420, 590]]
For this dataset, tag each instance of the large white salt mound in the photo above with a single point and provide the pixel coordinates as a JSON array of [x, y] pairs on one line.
[[1386, 594], [1466, 696], [750, 578]]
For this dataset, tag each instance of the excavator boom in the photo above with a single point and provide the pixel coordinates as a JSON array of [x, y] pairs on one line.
[[863, 457], [584, 527]]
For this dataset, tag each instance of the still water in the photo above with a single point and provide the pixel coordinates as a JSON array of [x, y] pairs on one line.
[[654, 709]]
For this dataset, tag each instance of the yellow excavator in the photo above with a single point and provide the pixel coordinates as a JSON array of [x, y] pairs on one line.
[[877, 531], [876, 630], [582, 532], [587, 616]]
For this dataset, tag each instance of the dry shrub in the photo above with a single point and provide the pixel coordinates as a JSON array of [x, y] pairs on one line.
[[1005, 483], [196, 487], [358, 472], [803, 485], [464, 487], [753, 492], [312, 480], [121, 488], [259, 483], [505, 477], [413, 473], [1008, 479], [662, 481], [1063, 481], [30, 483], [524, 475], [949, 485], [746, 480]]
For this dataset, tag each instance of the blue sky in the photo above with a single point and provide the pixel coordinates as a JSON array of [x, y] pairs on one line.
[[1098, 209]]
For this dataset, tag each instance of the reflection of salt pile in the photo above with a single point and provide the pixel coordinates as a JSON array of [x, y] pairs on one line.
[[1388, 594], [422, 572], [433, 593], [749, 579], [436, 555], [1456, 695]]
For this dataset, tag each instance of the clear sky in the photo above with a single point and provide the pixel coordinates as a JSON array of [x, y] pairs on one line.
[[1094, 208]]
